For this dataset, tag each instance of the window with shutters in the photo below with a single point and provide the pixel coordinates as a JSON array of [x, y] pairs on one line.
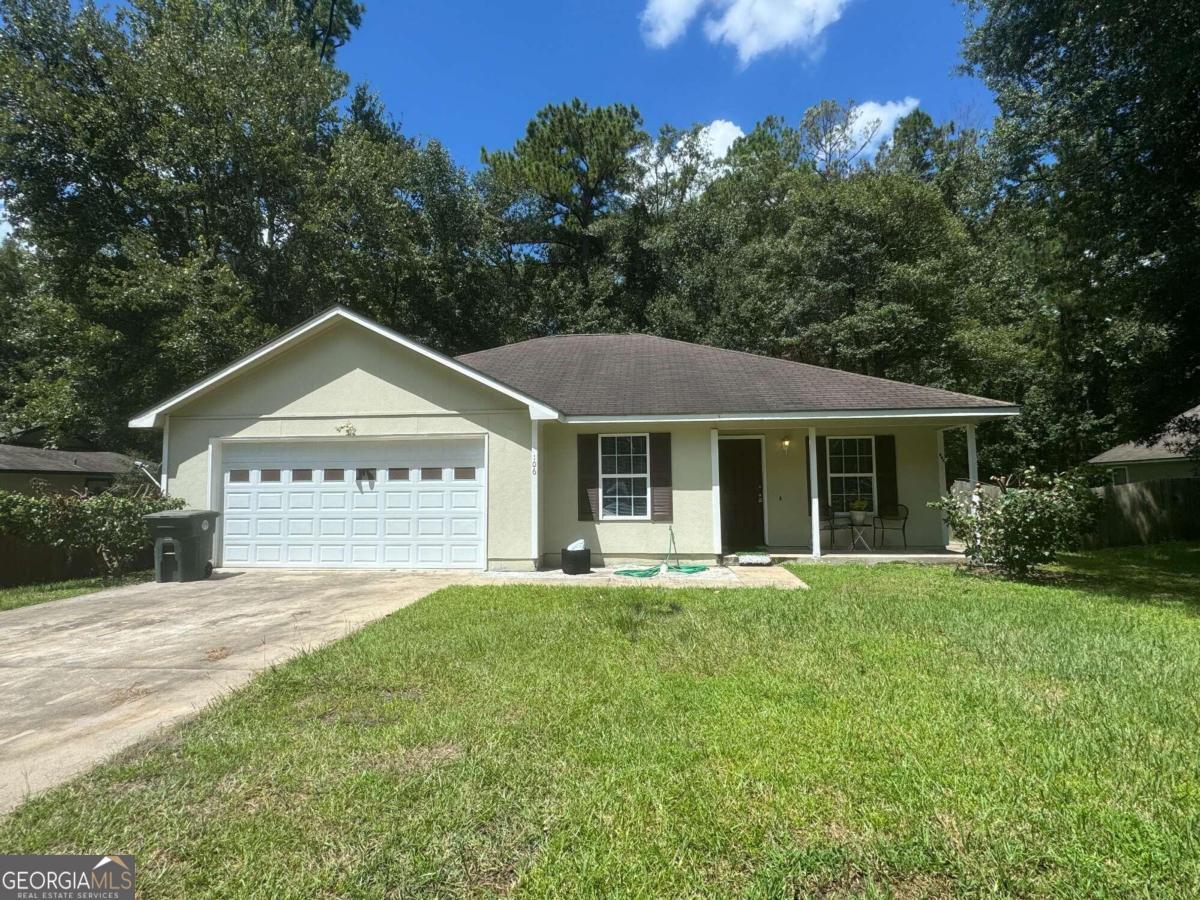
[[851, 465], [624, 476]]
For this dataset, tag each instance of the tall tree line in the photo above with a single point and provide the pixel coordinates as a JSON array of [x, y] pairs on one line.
[[188, 178]]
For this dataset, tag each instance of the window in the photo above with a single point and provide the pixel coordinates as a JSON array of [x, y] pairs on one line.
[[364, 475], [301, 475], [397, 474], [97, 485], [431, 474], [334, 475], [1120, 475], [269, 475], [624, 476], [464, 473], [239, 476], [851, 462]]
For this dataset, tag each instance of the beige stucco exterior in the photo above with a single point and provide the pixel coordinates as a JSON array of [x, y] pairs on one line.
[[348, 378]]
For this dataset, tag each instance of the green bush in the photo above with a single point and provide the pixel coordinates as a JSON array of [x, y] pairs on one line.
[[108, 526], [1026, 524]]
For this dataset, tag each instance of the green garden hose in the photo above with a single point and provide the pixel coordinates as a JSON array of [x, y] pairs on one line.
[[679, 568]]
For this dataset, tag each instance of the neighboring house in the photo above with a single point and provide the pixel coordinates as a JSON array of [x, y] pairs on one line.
[[1146, 462], [23, 468], [342, 443]]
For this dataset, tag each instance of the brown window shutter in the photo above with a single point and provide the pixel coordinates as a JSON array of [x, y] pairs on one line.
[[588, 477], [887, 488], [661, 502], [822, 481]]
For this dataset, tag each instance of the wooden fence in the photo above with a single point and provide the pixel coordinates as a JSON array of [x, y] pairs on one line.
[[1148, 512], [22, 563]]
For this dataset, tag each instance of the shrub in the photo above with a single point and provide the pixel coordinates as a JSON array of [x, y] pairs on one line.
[[1026, 524], [108, 526]]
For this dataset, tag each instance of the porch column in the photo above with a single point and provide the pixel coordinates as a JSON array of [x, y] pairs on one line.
[[972, 458], [715, 450], [942, 489], [814, 493], [535, 494]]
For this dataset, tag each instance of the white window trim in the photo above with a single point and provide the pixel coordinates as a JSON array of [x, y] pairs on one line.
[[600, 474], [829, 473], [1113, 470]]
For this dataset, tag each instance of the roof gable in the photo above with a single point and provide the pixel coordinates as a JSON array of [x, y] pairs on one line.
[[153, 417]]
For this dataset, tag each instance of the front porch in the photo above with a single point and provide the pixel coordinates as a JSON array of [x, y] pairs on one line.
[[835, 491]]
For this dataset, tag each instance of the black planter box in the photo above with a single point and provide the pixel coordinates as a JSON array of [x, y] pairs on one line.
[[576, 562]]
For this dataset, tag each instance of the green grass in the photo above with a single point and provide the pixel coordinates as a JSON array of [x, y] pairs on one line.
[[895, 731], [29, 594]]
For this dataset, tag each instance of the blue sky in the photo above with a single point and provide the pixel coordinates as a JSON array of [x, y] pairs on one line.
[[473, 72]]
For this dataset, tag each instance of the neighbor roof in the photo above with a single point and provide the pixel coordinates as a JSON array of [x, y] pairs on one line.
[[641, 375], [1134, 452], [83, 462]]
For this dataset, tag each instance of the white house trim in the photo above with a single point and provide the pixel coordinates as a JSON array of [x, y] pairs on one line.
[[151, 417], [984, 412], [814, 492], [535, 500], [715, 452]]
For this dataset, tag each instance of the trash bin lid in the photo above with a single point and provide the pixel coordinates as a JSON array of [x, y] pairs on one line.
[[181, 514]]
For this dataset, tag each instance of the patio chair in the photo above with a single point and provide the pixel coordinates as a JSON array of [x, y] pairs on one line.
[[833, 523], [894, 518]]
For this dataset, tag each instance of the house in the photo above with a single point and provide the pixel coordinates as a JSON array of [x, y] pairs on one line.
[[1147, 462], [23, 469], [343, 443]]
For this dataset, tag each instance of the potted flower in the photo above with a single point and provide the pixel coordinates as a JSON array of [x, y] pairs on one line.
[[858, 511]]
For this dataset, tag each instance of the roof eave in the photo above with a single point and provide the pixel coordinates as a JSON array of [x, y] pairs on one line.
[[958, 413]]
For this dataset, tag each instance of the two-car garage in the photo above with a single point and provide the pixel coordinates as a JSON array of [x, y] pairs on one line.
[[354, 503]]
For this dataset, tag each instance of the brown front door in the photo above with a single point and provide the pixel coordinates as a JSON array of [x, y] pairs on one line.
[[741, 494]]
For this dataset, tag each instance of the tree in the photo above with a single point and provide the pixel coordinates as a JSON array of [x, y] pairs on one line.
[[1099, 126]]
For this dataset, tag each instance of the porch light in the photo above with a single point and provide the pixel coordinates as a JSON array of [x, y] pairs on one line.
[[786, 443]]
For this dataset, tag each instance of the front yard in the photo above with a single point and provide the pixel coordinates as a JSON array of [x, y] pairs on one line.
[[895, 730]]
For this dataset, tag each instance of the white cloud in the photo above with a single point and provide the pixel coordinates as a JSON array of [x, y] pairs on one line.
[[718, 136], [753, 27], [866, 116], [664, 21]]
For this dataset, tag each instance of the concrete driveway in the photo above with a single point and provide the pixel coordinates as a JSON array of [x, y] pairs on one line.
[[85, 677]]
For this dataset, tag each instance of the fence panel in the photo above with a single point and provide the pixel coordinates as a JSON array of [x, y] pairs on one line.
[[1148, 512]]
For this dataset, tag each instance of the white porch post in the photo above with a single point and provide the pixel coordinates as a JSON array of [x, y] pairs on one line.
[[972, 458], [814, 493], [943, 491], [715, 450], [535, 494]]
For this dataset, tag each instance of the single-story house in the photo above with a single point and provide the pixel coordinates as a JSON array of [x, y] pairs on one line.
[[344, 444], [1146, 462], [22, 469]]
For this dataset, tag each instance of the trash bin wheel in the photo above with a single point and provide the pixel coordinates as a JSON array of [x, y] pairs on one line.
[[207, 569]]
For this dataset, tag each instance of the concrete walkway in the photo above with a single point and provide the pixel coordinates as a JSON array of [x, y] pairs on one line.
[[85, 677]]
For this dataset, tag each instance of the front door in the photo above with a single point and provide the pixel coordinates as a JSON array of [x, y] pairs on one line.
[[741, 494]]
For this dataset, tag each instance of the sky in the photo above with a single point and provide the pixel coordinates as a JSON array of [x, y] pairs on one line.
[[472, 73]]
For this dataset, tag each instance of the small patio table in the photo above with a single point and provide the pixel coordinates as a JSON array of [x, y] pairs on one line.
[[858, 536]]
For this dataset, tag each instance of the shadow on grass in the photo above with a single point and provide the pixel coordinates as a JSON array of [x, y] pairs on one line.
[[1160, 573]]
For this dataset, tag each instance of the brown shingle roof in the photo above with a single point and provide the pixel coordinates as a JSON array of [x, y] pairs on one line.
[[1134, 452], [638, 374], [34, 459]]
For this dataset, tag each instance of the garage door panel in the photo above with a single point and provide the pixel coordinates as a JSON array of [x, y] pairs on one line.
[[270, 528], [300, 528], [303, 504], [301, 500], [300, 553], [397, 528]]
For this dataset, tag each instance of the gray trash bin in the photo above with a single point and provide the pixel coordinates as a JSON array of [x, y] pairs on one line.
[[182, 543]]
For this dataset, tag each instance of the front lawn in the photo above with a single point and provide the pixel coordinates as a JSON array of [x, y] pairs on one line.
[[29, 594], [896, 730]]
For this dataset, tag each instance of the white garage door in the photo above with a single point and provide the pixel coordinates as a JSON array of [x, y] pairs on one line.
[[355, 504]]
